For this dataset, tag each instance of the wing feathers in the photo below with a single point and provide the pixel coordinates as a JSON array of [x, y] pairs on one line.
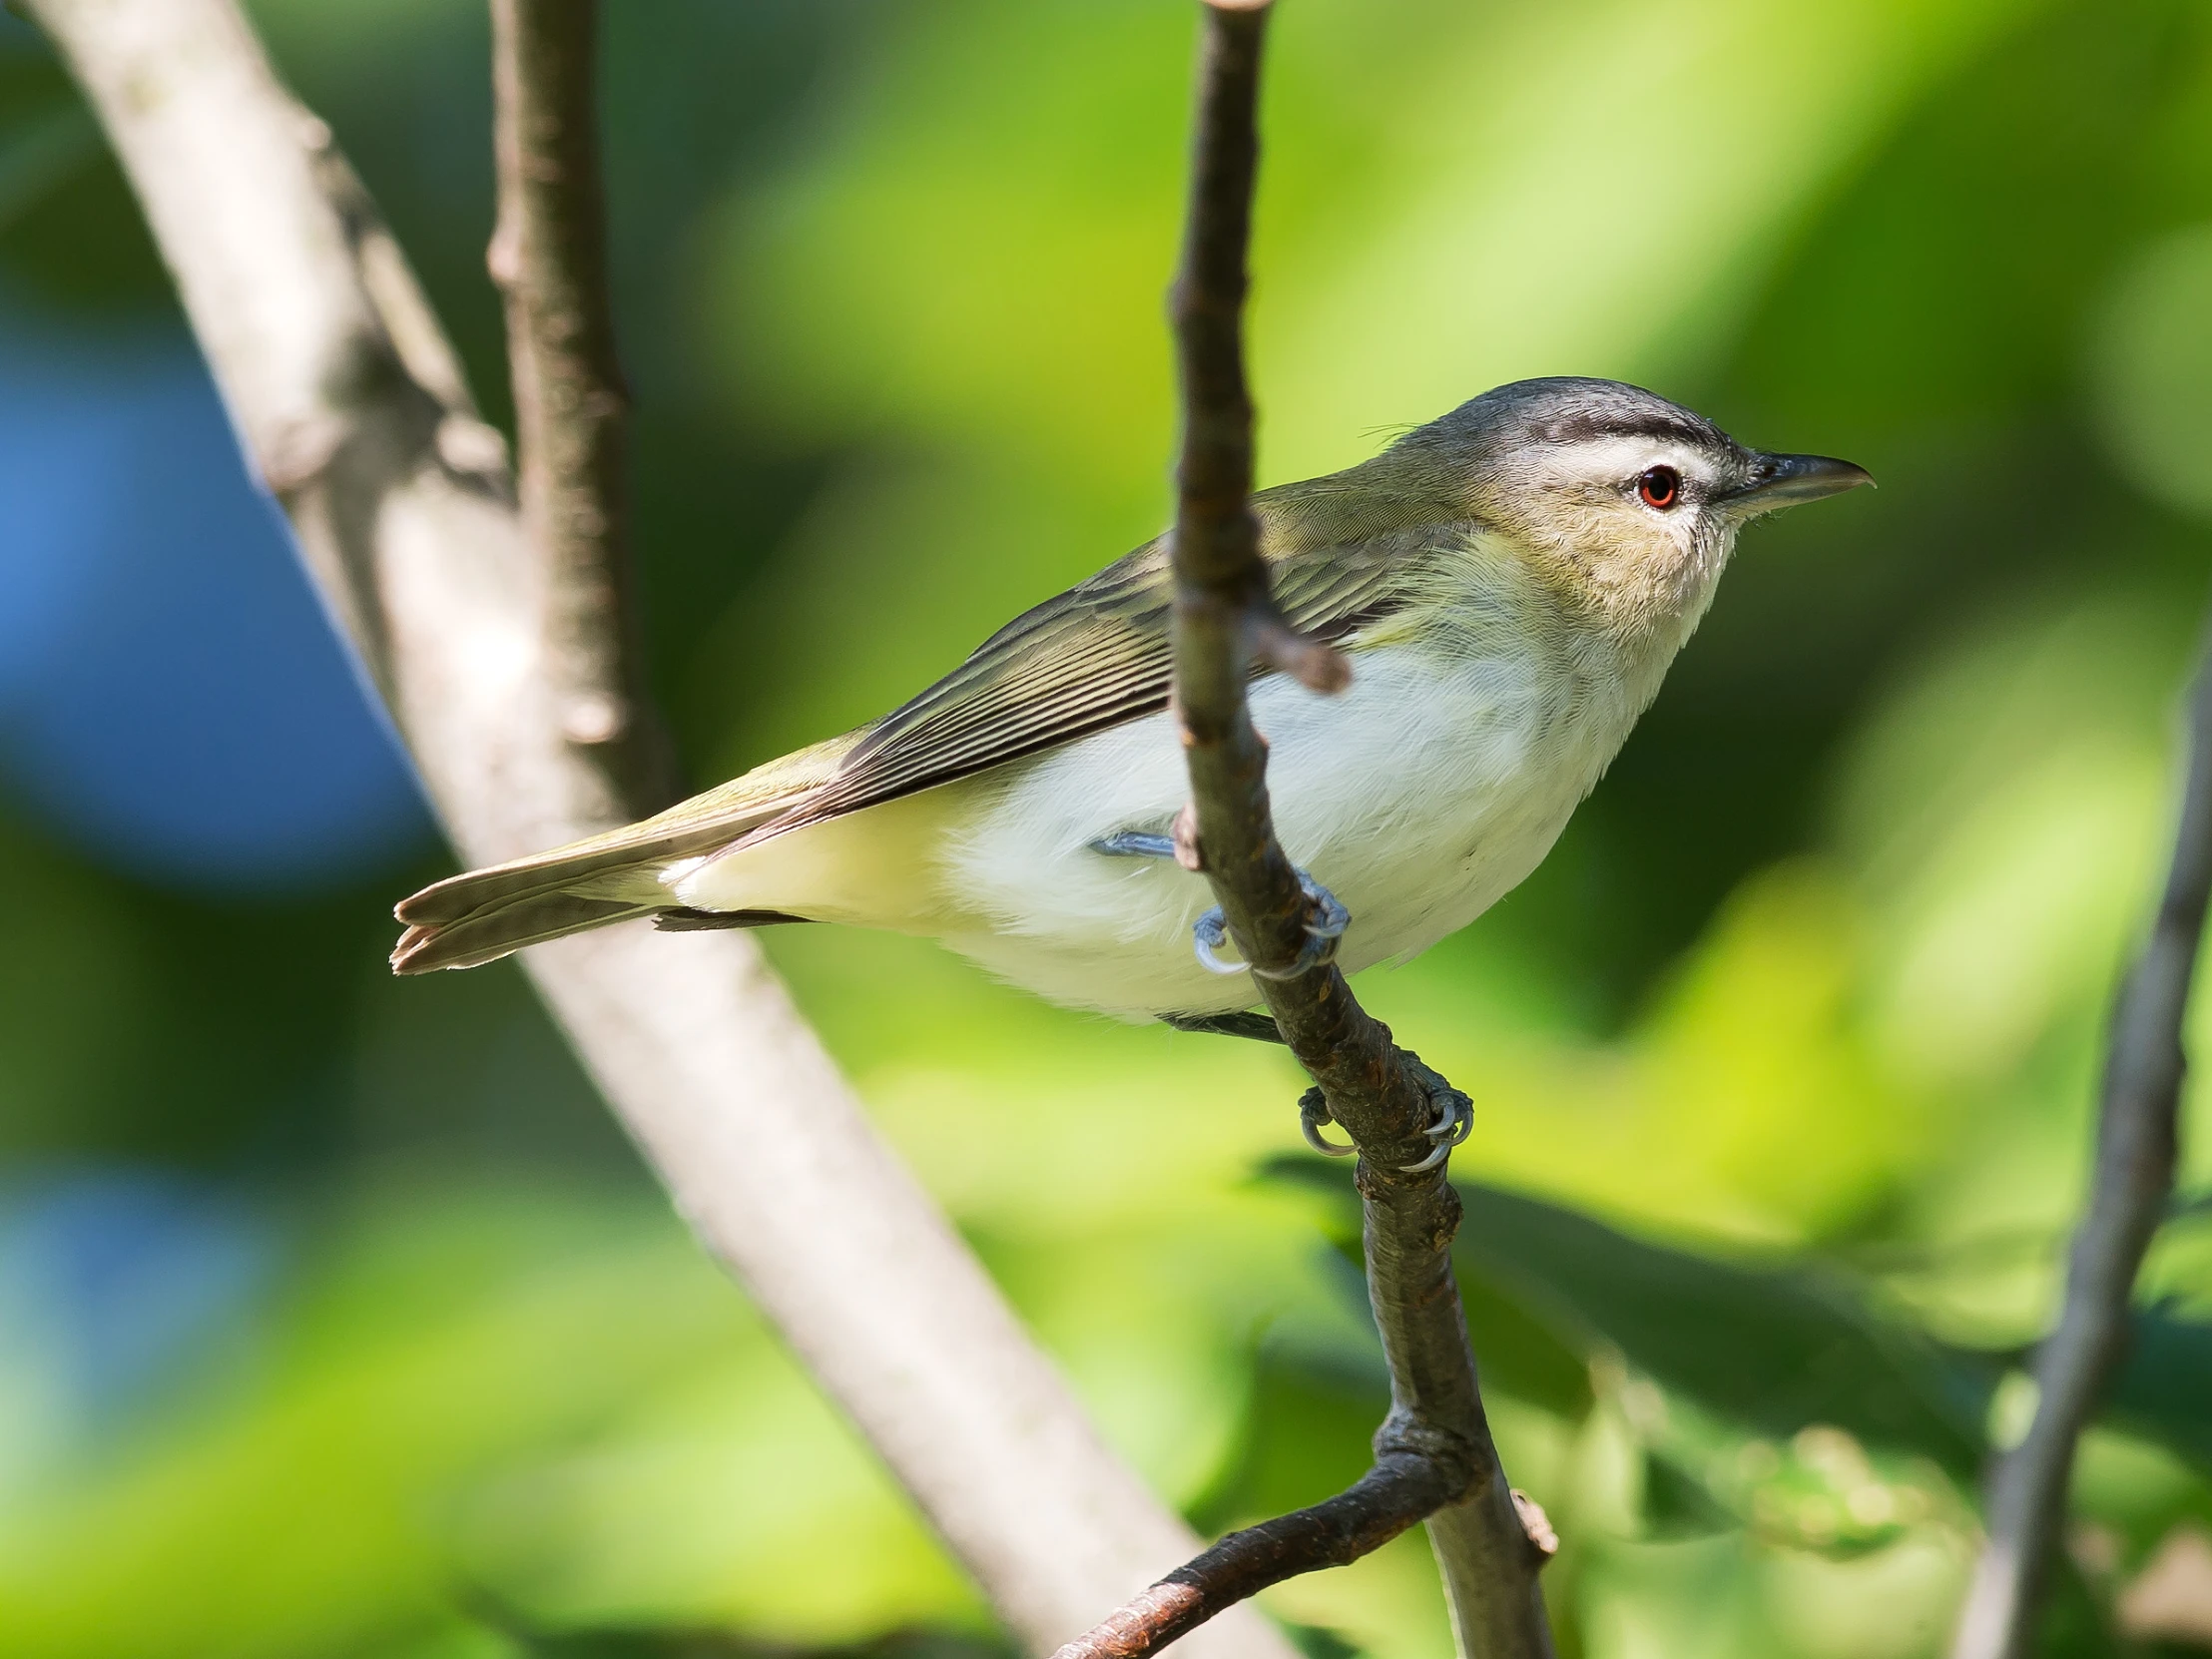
[[1092, 657], [1096, 656]]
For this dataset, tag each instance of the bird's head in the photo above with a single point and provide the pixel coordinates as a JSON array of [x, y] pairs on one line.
[[1625, 497]]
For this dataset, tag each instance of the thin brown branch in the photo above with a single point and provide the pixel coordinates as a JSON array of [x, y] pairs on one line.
[[2137, 1137], [548, 255], [1384, 1097], [349, 403], [1396, 1493]]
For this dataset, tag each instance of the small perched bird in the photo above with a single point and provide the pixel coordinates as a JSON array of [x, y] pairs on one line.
[[1509, 582]]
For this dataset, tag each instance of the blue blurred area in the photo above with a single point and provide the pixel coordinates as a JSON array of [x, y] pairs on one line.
[[111, 1282], [172, 697]]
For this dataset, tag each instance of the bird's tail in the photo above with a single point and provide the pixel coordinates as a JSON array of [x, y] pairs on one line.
[[498, 930], [484, 915]]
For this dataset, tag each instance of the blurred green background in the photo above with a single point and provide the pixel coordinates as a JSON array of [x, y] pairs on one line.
[[336, 1320]]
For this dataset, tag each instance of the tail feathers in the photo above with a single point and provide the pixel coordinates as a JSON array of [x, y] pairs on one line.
[[604, 860], [484, 915], [604, 864], [493, 933]]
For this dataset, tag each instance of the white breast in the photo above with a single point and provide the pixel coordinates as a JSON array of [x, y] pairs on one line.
[[1420, 797]]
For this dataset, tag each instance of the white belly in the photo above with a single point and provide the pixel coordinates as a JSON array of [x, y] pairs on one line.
[[1420, 797]]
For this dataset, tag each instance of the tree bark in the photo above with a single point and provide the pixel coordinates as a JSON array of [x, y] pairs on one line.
[[548, 257]]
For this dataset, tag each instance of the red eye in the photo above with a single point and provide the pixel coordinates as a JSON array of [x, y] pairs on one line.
[[1660, 487]]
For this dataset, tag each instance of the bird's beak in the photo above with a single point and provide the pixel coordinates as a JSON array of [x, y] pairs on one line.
[[1785, 480]]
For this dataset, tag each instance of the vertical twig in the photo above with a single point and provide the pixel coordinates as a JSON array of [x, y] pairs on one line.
[[548, 257], [2137, 1142], [1433, 1454]]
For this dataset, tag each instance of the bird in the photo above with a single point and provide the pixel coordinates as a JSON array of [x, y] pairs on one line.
[[1507, 584]]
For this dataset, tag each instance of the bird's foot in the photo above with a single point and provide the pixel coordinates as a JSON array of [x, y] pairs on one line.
[[1326, 921], [1453, 1116], [1325, 917], [1451, 1121]]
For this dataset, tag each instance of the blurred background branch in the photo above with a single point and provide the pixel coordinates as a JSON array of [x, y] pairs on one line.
[[548, 257], [2131, 1191], [404, 514], [1433, 1453]]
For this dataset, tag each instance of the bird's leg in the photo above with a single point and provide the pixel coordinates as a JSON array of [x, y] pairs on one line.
[[1451, 1113], [1326, 920], [1325, 925], [1134, 843], [1259, 1027]]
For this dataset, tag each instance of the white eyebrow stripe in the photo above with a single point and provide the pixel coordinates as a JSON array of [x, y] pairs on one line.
[[1622, 458]]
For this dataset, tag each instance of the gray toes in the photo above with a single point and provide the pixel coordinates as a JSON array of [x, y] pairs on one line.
[[1208, 934], [1326, 921], [1452, 1123], [1325, 925]]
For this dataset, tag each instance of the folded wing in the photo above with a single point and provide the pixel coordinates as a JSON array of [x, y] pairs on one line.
[[1091, 658]]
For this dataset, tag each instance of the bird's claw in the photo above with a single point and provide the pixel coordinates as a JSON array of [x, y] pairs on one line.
[[1326, 921], [1208, 934], [1313, 1112], [1454, 1120]]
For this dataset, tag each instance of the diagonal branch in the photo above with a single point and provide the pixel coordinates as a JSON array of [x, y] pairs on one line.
[[1391, 1497], [1434, 1455], [349, 405], [2137, 1139], [548, 257]]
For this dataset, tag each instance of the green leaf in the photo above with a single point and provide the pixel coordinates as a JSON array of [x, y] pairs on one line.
[[1519, 1349], [1772, 1349], [2165, 1384], [1775, 1348]]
